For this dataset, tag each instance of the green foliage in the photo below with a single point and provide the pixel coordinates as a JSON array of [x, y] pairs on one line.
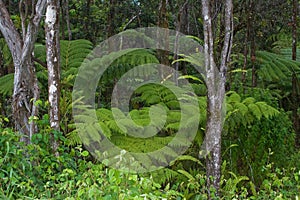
[[6, 55], [68, 176], [275, 68], [245, 112], [6, 81], [140, 145], [7, 84], [287, 53], [125, 63], [72, 54], [255, 142], [72, 175], [281, 41]]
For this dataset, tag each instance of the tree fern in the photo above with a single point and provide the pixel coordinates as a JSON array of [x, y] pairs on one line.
[[287, 53], [72, 55], [7, 84], [129, 61], [7, 58], [244, 112], [6, 81], [280, 41], [276, 68]]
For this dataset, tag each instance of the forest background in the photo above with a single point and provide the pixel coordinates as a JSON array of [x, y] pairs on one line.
[[43, 45]]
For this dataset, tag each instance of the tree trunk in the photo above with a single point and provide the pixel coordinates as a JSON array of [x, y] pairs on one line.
[[68, 19], [110, 22], [26, 90], [252, 37], [63, 20], [163, 55], [53, 65], [295, 82], [215, 82], [246, 41], [179, 24]]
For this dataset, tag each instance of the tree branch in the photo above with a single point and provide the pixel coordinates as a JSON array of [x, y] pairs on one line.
[[131, 20], [9, 31], [225, 55], [39, 62], [32, 30]]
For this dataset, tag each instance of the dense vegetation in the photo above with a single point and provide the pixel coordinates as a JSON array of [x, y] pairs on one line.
[[260, 136]]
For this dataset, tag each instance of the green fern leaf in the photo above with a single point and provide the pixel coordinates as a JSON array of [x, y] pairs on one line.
[[249, 100], [73, 138], [173, 105], [241, 107], [7, 84], [255, 110], [234, 98], [104, 114], [105, 130], [266, 110]]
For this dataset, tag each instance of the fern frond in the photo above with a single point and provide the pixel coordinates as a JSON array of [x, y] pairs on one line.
[[233, 98], [254, 109], [104, 114], [105, 130], [73, 53], [275, 67], [7, 84], [73, 138], [241, 107], [266, 110]]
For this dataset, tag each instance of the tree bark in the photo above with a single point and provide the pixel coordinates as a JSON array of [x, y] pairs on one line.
[[110, 22], [66, 5], [180, 17], [246, 41], [163, 55], [26, 90], [215, 82], [295, 82], [53, 66], [252, 37]]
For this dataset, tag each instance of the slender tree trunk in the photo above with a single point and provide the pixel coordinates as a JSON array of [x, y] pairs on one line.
[[253, 59], [295, 82], [249, 16], [26, 89], [163, 55], [180, 18], [294, 36], [110, 21], [63, 20], [110, 18], [87, 25], [53, 65], [215, 81], [252, 42], [2, 72], [66, 8]]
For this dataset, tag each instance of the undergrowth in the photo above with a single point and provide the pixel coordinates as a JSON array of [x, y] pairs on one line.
[[33, 172]]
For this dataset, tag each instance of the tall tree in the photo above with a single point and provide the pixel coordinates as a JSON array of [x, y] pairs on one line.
[[215, 82], [162, 22], [53, 65], [65, 16], [21, 46], [110, 21], [295, 81]]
